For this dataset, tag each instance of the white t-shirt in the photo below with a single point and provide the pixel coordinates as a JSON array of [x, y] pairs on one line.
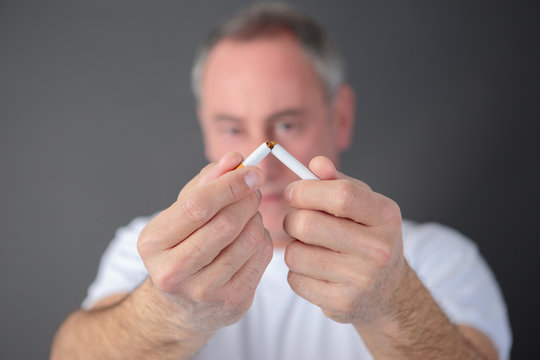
[[281, 325]]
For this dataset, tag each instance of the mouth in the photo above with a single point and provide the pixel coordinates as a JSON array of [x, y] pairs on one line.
[[272, 192]]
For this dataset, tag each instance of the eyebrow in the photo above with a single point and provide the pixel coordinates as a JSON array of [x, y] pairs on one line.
[[270, 118], [285, 112], [225, 117]]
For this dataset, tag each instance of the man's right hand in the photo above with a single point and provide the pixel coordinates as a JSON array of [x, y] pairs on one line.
[[206, 253]]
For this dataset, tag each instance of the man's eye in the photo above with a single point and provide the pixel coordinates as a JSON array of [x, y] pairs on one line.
[[231, 131], [285, 126]]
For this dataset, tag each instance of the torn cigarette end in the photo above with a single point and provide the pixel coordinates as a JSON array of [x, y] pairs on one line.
[[282, 155], [271, 144]]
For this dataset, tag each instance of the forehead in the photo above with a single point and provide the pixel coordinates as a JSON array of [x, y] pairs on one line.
[[263, 72]]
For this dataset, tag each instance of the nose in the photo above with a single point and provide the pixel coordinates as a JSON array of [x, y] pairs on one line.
[[269, 166]]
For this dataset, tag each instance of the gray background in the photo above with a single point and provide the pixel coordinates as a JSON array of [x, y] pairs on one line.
[[97, 126]]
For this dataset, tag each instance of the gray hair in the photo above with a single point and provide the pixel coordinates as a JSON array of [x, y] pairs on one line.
[[264, 18]]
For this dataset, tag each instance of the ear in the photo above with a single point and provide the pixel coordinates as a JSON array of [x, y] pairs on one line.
[[344, 106]]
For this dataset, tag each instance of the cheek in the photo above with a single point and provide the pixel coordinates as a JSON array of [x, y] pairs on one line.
[[216, 151], [215, 145], [214, 148], [317, 142]]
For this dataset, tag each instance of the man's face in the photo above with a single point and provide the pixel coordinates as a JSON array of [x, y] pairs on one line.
[[266, 89]]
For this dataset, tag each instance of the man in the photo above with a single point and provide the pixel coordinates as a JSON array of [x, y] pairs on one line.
[[199, 281]]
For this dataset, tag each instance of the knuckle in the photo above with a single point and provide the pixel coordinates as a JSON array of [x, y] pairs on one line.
[[287, 223], [289, 257], [344, 306], [295, 282], [258, 219], [206, 169], [201, 294], [192, 251], [392, 213], [254, 201], [364, 185], [326, 266], [195, 208], [254, 232], [254, 273], [198, 294], [384, 253], [345, 197], [165, 281], [291, 253], [368, 282], [236, 302], [292, 279], [267, 247], [303, 222], [224, 225], [144, 247], [357, 280], [252, 236], [267, 253], [235, 189]]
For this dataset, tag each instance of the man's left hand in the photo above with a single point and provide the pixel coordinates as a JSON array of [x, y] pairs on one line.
[[347, 256]]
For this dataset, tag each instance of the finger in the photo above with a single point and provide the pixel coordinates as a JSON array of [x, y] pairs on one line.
[[227, 163], [342, 197], [338, 301], [247, 278], [319, 292], [315, 262], [339, 235], [322, 229], [235, 255], [197, 206], [214, 170], [205, 244]]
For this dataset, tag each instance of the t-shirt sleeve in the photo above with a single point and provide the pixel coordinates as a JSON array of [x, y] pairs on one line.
[[460, 281], [121, 268]]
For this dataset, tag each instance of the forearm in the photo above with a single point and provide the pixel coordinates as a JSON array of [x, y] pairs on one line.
[[128, 329], [416, 329]]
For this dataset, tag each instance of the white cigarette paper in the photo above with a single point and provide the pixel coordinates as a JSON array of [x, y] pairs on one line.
[[257, 156], [283, 155], [290, 161]]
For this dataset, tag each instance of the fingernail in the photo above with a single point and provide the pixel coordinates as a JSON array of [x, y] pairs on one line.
[[258, 193], [287, 193], [252, 179]]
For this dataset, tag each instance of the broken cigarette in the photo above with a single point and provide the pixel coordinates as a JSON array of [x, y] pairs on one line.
[[283, 155], [256, 157], [290, 161]]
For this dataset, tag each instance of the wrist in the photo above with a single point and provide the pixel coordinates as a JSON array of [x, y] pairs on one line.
[[396, 313], [415, 328], [160, 316]]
